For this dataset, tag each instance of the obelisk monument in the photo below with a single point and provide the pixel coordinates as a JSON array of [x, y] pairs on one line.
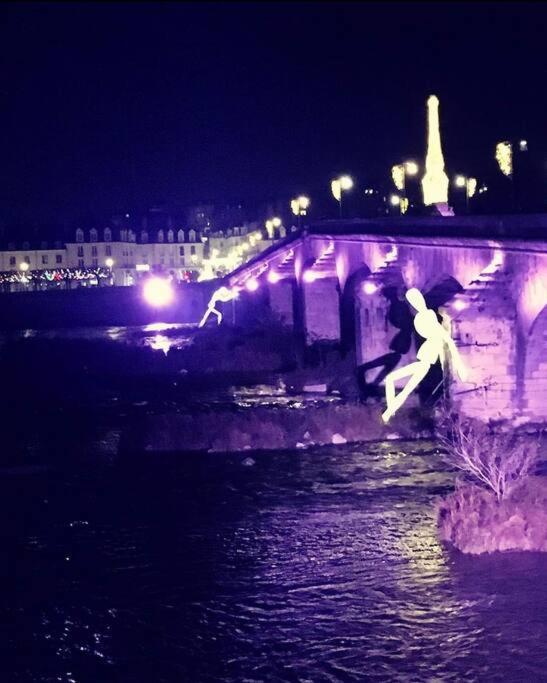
[[435, 180]]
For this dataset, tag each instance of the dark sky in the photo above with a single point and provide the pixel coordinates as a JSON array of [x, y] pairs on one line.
[[104, 106]]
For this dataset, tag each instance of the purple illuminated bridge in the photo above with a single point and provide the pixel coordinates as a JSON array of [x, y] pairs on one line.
[[486, 274]]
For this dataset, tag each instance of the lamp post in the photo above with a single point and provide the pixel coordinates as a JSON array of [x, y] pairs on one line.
[[270, 226], [399, 173], [299, 207], [467, 184], [338, 187]]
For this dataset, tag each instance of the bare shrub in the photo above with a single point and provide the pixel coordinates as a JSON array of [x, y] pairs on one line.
[[496, 460]]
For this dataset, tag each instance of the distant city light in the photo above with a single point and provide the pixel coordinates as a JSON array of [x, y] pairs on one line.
[[369, 287], [299, 206], [460, 181], [394, 200], [309, 276], [523, 145], [273, 277], [252, 284], [109, 262], [158, 292]]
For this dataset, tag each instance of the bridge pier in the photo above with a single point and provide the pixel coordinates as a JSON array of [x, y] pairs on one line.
[[281, 295], [321, 309]]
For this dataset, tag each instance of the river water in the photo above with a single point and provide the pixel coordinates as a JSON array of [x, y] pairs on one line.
[[308, 566]]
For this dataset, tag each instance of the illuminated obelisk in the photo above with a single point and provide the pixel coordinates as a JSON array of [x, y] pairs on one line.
[[435, 180]]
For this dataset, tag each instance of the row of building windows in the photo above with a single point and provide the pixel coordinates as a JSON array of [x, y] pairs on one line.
[[130, 236], [44, 257]]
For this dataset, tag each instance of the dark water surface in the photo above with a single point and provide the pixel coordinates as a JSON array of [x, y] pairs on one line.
[[319, 565]]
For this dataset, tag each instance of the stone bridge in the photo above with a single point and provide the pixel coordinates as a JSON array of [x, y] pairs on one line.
[[485, 275]]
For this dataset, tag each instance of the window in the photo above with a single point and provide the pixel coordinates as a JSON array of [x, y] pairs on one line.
[[108, 250], [170, 236], [162, 259], [144, 237], [193, 250], [95, 262], [80, 263], [160, 235], [12, 260], [93, 235], [44, 259], [26, 245], [27, 259], [181, 251], [58, 258], [79, 235], [107, 235], [180, 236], [192, 235], [80, 251], [94, 251]]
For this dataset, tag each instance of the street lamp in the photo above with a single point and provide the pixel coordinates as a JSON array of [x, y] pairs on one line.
[[24, 266], [338, 186], [299, 207], [270, 226], [399, 174], [470, 186], [109, 262]]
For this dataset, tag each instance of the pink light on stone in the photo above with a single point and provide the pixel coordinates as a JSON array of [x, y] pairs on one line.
[[459, 305], [369, 287], [252, 284], [309, 276], [158, 292], [273, 277]]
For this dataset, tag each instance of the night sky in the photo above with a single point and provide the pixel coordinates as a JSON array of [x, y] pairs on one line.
[[107, 107]]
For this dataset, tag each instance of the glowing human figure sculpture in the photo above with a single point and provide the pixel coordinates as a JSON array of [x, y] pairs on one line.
[[432, 350], [221, 295]]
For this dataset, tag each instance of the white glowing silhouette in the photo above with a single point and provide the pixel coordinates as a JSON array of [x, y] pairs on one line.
[[435, 180], [221, 295], [432, 350]]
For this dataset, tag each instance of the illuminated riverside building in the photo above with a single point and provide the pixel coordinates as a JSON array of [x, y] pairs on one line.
[[121, 256]]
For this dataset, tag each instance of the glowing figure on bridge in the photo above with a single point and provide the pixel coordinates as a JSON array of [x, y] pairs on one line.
[[221, 295], [432, 350]]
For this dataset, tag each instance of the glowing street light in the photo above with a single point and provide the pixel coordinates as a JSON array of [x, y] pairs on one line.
[[395, 200], [399, 173], [158, 292], [109, 262], [338, 186], [252, 284], [470, 186], [24, 266], [273, 277], [299, 207]]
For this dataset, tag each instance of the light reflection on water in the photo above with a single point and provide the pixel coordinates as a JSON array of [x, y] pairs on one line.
[[173, 335], [321, 565]]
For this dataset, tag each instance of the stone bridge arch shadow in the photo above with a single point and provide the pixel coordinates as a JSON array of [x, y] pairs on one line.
[[349, 298], [535, 371]]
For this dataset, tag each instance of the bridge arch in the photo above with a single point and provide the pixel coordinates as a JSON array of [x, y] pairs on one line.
[[349, 297]]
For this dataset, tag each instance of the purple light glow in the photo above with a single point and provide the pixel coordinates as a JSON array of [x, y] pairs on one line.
[[158, 292], [273, 277], [459, 305], [252, 284], [309, 276], [369, 287]]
